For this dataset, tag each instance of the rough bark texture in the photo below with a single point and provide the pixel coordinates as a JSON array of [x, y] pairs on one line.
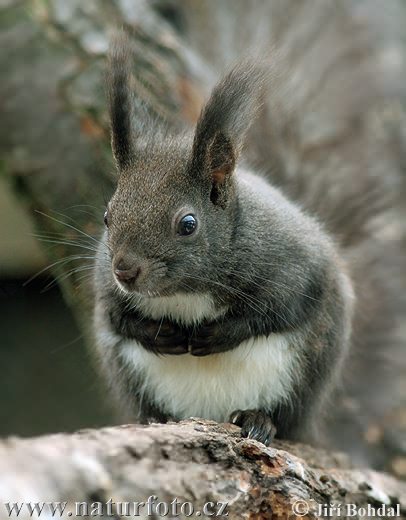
[[194, 461]]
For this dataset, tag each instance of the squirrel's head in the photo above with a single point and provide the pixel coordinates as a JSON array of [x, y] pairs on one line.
[[171, 221]]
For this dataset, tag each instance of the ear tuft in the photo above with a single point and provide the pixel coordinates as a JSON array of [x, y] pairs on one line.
[[223, 125], [120, 100]]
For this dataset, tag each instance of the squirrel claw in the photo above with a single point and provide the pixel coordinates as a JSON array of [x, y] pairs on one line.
[[255, 424]]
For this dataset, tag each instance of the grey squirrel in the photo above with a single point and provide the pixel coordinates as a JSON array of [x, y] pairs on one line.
[[220, 295]]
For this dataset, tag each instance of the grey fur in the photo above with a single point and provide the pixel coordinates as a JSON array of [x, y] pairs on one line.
[[283, 260]]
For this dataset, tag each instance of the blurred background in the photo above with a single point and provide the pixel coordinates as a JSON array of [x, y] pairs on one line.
[[56, 175], [56, 169], [47, 383]]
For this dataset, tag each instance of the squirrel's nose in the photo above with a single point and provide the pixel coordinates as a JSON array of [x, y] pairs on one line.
[[126, 273]]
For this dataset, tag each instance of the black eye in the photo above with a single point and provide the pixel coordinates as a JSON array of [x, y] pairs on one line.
[[106, 218], [187, 225]]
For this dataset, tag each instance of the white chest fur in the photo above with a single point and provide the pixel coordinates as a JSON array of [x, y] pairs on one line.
[[257, 374], [185, 308]]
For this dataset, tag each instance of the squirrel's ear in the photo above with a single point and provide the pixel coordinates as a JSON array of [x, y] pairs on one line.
[[120, 101], [223, 125]]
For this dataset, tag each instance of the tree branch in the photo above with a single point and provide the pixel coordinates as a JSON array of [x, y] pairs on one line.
[[194, 461]]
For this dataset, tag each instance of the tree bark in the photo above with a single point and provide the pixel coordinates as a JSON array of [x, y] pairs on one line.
[[193, 461]]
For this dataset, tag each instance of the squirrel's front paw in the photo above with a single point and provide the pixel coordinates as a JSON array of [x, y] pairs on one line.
[[210, 338], [255, 424], [164, 337]]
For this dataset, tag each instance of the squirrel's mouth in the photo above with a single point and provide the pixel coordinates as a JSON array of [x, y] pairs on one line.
[[149, 290], [145, 277]]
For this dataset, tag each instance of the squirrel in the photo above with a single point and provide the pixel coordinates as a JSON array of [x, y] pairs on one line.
[[227, 292]]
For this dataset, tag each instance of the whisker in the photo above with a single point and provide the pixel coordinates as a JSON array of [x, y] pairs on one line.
[[251, 301], [61, 261], [84, 276], [97, 208], [261, 286], [65, 236], [66, 243], [159, 329], [68, 225], [243, 276], [68, 344], [66, 275]]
